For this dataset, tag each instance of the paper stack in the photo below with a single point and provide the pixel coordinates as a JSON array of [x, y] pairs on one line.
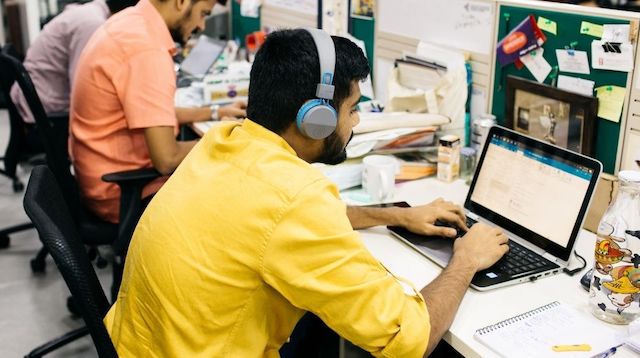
[[394, 132]]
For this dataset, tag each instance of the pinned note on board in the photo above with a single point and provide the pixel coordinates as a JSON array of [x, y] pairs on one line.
[[576, 85], [536, 64], [547, 25], [610, 102], [573, 61], [616, 33], [588, 28], [613, 56]]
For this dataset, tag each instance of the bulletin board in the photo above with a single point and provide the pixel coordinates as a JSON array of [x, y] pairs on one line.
[[242, 26], [568, 31]]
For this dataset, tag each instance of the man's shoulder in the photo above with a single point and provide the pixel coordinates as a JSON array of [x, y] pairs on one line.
[[129, 30], [265, 161]]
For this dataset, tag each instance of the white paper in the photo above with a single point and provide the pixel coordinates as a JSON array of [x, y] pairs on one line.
[[577, 62], [249, 8], [637, 86], [614, 57], [459, 24], [366, 86], [537, 64], [478, 102], [615, 33], [576, 85], [304, 6]]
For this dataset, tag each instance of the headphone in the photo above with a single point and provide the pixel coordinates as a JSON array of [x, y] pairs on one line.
[[317, 119]]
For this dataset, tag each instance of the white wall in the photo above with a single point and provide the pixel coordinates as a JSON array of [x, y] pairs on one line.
[[31, 20]]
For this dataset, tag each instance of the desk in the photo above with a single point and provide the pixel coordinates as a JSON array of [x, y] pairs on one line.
[[479, 309]]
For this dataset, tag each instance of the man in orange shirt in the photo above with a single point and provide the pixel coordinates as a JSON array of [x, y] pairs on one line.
[[122, 104]]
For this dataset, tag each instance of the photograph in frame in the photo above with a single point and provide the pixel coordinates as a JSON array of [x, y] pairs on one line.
[[550, 114]]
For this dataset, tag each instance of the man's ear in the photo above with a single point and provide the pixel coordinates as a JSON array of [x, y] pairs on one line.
[[182, 4]]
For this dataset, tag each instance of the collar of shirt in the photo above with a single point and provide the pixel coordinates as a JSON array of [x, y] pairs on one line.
[[256, 130], [157, 25]]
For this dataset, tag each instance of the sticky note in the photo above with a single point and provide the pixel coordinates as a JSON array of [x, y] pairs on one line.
[[610, 102], [547, 25], [587, 28]]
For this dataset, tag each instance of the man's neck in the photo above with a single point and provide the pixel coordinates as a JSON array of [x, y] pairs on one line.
[[307, 149], [166, 11]]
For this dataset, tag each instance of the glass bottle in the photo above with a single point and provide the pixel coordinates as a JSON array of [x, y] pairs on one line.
[[615, 285]]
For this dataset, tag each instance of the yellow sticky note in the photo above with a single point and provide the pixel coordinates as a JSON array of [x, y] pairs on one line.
[[547, 25], [610, 102], [587, 28]]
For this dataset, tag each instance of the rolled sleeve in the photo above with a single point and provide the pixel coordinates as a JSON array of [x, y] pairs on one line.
[[316, 261]]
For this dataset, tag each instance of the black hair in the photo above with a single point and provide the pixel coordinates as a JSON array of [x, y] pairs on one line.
[[285, 73], [117, 5]]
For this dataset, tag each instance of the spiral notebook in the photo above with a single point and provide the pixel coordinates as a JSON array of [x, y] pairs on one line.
[[533, 333]]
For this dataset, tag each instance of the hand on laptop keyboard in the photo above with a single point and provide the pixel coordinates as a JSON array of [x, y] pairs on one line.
[[482, 245], [459, 231], [438, 218]]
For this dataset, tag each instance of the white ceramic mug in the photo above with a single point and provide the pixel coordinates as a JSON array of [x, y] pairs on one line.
[[378, 176]]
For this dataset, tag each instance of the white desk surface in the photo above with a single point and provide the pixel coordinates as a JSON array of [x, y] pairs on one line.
[[479, 309]]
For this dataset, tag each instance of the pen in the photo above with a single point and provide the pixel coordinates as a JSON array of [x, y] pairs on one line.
[[608, 353], [572, 348]]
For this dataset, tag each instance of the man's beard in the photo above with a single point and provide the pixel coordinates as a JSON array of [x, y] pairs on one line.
[[335, 152], [176, 30]]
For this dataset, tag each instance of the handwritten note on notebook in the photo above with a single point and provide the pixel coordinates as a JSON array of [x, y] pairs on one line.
[[532, 334]]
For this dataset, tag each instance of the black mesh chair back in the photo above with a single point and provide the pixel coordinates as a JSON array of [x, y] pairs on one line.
[[45, 206], [53, 132], [17, 146]]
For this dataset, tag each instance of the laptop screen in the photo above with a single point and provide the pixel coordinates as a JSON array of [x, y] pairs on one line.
[[203, 55], [537, 191]]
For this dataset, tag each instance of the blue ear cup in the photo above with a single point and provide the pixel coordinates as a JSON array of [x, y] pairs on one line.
[[317, 119]]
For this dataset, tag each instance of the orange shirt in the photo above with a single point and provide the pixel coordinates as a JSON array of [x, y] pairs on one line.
[[125, 82]]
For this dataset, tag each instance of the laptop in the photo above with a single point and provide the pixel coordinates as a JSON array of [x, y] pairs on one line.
[[536, 192], [202, 56]]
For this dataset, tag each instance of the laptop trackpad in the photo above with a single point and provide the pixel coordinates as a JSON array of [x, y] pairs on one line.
[[437, 248]]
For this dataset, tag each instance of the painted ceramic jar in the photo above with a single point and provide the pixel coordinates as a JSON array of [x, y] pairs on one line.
[[615, 285]]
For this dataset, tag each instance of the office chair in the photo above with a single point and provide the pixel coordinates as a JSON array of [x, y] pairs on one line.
[[45, 205], [54, 132], [17, 151]]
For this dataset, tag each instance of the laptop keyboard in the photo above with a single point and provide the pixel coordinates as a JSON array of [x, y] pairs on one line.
[[519, 259]]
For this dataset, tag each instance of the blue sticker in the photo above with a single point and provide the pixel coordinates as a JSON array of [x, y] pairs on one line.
[[491, 275]]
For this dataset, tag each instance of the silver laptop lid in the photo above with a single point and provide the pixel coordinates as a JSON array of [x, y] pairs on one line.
[[535, 190]]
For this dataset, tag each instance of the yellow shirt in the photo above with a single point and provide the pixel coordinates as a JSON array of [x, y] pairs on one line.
[[242, 239]]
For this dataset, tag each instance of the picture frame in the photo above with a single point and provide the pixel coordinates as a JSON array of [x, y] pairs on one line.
[[362, 8], [553, 115]]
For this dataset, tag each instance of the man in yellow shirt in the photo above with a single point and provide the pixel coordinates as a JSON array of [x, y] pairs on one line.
[[246, 236]]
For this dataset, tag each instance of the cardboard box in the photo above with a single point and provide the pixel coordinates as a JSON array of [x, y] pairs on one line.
[[606, 191]]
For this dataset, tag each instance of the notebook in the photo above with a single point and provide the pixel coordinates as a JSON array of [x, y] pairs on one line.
[[536, 192], [534, 333]]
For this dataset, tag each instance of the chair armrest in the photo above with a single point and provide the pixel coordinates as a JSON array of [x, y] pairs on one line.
[[130, 176], [131, 183]]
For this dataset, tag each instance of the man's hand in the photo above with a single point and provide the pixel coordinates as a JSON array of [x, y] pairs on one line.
[[422, 219], [482, 246], [233, 111]]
